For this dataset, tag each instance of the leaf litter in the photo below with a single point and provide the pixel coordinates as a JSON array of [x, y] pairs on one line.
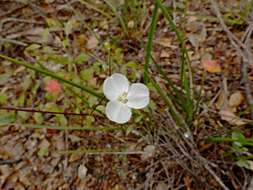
[[31, 158]]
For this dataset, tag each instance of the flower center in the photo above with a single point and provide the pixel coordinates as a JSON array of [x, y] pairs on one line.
[[123, 98]]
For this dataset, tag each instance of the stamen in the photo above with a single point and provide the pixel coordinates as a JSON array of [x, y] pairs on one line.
[[123, 98]]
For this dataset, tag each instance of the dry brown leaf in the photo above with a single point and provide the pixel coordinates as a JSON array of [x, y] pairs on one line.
[[165, 54], [212, 66], [92, 42], [221, 99], [236, 99], [166, 42], [231, 118], [161, 186], [149, 151], [82, 171], [187, 182], [130, 24]]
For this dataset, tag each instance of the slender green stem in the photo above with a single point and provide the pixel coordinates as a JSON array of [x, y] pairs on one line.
[[51, 74], [89, 5], [175, 114], [150, 42], [185, 73], [107, 129], [121, 21]]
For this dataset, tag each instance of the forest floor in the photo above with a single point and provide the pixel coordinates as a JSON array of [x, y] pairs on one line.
[[196, 132]]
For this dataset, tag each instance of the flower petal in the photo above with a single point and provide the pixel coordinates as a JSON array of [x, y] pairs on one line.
[[115, 85], [138, 96], [118, 112]]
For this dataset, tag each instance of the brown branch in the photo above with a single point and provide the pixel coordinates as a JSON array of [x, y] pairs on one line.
[[40, 111], [239, 46], [244, 70]]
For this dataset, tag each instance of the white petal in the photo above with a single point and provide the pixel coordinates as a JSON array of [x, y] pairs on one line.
[[138, 96], [115, 85], [118, 112]]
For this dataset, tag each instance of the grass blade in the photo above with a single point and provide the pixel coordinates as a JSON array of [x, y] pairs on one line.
[[186, 77], [121, 21], [175, 114], [69, 128], [150, 42]]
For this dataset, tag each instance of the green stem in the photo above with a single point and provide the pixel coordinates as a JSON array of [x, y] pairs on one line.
[[51, 74], [150, 42], [71, 128]]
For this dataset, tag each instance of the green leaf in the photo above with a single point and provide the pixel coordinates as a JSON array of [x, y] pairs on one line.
[[23, 115], [87, 74], [248, 164], [3, 98], [61, 119], [7, 118], [53, 23], [33, 47], [26, 83], [38, 118], [238, 138], [43, 152], [68, 26], [45, 35], [89, 121], [4, 78], [81, 58]]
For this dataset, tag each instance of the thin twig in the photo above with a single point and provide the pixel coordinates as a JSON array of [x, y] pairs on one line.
[[9, 162], [12, 10], [239, 46], [6, 40], [244, 70], [40, 111], [244, 50]]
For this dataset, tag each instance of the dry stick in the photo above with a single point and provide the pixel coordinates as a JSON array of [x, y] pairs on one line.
[[243, 50], [247, 59], [40, 111], [239, 46], [202, 161], [244, 71], [11, 11], [6, 40], [205, 163]]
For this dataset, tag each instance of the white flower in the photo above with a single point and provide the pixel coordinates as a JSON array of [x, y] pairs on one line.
[[123, 97]]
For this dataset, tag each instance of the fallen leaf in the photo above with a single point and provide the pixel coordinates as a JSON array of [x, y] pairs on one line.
[[248, 164], [166, 42], [92, 42], [231, 118], [53, 86], [165, 54], [82, 171], [130, 24], [194, 39], [187, 182], [161, 186], [212, 66], [236, 99], [220, 101], [149, 151]]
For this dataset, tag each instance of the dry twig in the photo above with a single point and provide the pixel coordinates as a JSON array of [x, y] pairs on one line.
[[244, 50]]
